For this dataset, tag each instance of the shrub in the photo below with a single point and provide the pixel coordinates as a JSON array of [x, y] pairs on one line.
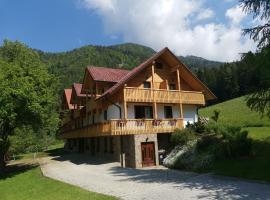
[[182, 136], [237, 142], [215, 117], [198, 127]]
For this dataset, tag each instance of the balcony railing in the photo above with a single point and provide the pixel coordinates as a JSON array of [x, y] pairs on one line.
[[163, 96], [125, 127]]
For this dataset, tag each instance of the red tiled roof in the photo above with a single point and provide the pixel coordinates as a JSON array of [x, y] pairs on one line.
[[78, 89], [68, 97], [107, 74]]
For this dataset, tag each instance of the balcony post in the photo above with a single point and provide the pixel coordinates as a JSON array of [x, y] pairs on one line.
[[153, 91], [180, 95], [125, 103]]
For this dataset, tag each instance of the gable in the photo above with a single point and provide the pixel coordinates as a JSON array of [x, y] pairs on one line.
[[140, 73]]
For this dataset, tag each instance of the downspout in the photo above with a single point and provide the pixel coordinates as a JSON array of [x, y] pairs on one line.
[[121, 136]]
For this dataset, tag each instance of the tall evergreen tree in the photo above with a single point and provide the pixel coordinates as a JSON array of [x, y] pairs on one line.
[[260, 100]]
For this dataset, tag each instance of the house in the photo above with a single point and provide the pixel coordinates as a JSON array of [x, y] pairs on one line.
[[129, 116]]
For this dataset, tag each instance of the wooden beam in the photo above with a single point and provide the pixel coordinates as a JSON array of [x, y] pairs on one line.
[[179, 89], [153, 87], [125, 103], [153, 74], [173, 69]]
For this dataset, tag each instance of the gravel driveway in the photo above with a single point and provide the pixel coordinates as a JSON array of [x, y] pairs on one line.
[[148, 183]]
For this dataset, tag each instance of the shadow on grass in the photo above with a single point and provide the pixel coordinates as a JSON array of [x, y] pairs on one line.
[[16, 169]]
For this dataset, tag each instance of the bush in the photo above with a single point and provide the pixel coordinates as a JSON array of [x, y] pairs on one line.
[[198, 150], [182, 136], [198, 127], [237, 142]]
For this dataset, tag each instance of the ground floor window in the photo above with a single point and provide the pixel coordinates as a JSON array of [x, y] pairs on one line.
[[105, 145], [98, 145], [111, 144]]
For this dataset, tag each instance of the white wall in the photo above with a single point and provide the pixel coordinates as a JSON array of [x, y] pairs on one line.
[[190, 114], [161, 114], [113, 112]]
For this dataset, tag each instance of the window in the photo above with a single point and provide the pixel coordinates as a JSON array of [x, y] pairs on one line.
[[143, 112], [168, 114], [105, 115], [172, 86], [146, 84], [159, 65], [93, 118], [101, 91], [111, 144], [94, 90], [98, 145], [105, 145]]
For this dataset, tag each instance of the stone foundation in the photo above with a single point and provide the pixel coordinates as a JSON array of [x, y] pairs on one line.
[[110, 147]]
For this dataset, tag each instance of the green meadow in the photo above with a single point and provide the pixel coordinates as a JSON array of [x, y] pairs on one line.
[[235, 112]]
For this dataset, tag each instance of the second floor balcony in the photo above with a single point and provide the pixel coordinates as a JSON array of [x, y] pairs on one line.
[[163, 96]]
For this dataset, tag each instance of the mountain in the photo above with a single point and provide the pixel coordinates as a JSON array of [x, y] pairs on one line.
[[195, 62], [69, 66]]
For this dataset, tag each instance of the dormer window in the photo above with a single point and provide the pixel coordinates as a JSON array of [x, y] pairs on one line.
[[159, 65]]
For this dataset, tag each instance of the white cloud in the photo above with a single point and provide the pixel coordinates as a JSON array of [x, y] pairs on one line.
[[205, 14], [236, 15], [160, 23]]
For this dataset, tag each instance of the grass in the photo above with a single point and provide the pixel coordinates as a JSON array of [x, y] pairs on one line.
[[30, 184], [255, 167], [235, 112], [25, 181], [56, 148]]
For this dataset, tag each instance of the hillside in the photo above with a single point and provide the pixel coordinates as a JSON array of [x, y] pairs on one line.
[[235, 112], [69, 66]]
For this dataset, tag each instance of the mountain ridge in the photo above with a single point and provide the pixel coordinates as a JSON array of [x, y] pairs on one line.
[[69, 65]]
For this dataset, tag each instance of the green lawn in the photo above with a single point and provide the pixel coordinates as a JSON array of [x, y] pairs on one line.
[[235, 112], [30, 184], [25, 181], [255, 167]]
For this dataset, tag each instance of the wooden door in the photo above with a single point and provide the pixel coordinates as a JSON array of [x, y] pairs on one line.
[[148, 154]]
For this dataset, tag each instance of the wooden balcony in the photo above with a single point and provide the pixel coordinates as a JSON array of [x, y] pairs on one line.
[[163, 96], [125, 127]]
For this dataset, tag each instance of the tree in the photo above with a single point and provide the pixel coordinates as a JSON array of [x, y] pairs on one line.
[[260, 100], [27, 95], [259, 9]]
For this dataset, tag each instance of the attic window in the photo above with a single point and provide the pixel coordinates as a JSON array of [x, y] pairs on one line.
[[146, 84], [159, 65]]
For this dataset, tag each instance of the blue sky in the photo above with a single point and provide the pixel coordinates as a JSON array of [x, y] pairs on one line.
[[182, 25]]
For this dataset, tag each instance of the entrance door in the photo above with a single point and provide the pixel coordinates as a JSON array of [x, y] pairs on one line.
[[148, 154]]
